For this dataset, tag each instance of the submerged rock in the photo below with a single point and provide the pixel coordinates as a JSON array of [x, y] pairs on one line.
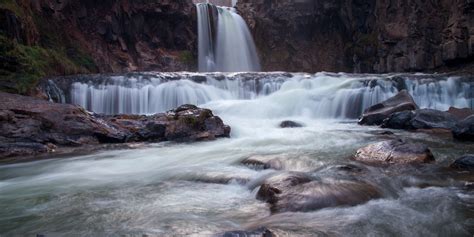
[[460, 113], [281, 162], [32, 126], [290, 124], [464, 163], [376, 114], [296, 192], [464, 130], [394, 152], [421, 119], [261, 232]]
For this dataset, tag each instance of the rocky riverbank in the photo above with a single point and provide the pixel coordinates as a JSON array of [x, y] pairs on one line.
[[32, 127]]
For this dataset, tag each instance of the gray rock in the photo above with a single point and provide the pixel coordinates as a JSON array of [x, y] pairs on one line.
[[394, 152], [376, 114]]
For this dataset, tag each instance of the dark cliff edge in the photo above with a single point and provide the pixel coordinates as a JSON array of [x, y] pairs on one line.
[[40, 38], [363, 35]]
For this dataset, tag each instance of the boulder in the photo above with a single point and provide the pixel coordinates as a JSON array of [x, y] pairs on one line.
[[464, 130], [460, 113], [183, 124], [261, 232], [293, 192], [376, 114], [464, 163], [394, 152], [281, 162], [31, 126], [290, 124], [420, 119]]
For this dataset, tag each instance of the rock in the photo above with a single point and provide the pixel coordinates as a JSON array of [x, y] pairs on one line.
[[290, 124], [460, 113], [31, 126], [281, 162], [359, 36], [277, 184], [394, 152], [293, 192], [376, 114], [420, 119], [464, 163], [261, 232], [108, 36], [464, 130]]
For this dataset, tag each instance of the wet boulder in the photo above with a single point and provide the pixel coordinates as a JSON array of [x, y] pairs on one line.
[[290, 124], [186, 123], [464, 163], [460, 114], [296, 192], [464, 130], [376, 114], [394, 152], [420, 119], [285, 162], [261, 232], [31, 126]]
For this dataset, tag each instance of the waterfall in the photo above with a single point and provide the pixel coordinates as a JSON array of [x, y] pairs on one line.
[[320, 95], [225, 42]]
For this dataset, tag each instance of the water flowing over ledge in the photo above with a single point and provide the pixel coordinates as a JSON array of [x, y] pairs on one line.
[[277, 94], [225, 42]]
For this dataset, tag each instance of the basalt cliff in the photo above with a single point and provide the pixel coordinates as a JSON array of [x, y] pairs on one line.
[[42, 38], [362, 35]]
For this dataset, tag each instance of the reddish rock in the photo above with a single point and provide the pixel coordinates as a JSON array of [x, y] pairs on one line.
[[460, 113], [32, 126], [295, 192]]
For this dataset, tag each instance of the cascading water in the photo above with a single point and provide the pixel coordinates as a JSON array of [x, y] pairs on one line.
[[203, 189], [273, 94], [225, 42]]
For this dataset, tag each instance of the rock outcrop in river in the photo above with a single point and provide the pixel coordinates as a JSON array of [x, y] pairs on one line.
[[31, 126], [361, 36]]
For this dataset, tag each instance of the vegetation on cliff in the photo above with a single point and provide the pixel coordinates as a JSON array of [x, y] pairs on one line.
[[31, 47], [48, 38]]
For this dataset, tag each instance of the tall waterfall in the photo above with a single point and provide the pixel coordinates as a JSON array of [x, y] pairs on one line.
[[225, 42], [321, 95]]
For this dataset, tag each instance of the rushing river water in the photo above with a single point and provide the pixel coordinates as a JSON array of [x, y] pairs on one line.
[[202, 189]]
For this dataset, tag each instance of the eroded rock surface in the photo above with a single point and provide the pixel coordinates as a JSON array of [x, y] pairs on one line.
[[361, 36], [376, 114], [464, 130], [31, 126], [296, 192], [394, 152], [421, 119], [464, 163]]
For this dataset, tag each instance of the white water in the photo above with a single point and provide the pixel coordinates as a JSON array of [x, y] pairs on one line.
[[317, 96], [225, 43], [177, 189]]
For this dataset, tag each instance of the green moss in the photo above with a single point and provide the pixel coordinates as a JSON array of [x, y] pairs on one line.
[[27, 64], [21, 65], [187, 57], [13, 6]]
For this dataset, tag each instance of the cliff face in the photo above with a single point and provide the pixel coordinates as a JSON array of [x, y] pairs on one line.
[[362, 35], [48, 37]]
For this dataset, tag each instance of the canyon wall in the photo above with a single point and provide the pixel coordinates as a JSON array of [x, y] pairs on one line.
[[47, 37], [362, 35]]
